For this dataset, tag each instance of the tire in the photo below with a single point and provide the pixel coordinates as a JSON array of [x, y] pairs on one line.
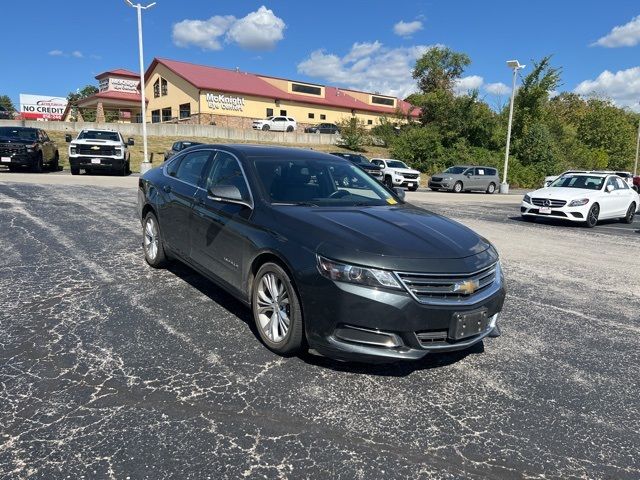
[[74, 170], [631, 213], [289, 128], [55, 164], [128, 167], [152, 242], [388, 182], [122, 171], [457, 188], [265, 127], [592, 216], [37, 166], [491, 188], [413, 189], [274, 299]]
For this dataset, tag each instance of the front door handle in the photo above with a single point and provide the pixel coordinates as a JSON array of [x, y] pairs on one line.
[[166, 188]]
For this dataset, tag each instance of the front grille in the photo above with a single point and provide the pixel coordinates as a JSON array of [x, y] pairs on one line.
[[410, 175], [107, 150], [448, 289], [436, 179], [431, 337], [8, 149], [540, 202]]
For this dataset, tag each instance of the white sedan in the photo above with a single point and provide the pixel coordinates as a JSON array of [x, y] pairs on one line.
[[583, 197]]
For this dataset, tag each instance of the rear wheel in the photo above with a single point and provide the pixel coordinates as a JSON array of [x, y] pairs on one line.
[[290, 129], [74, 170], [592, 216], [276, 310], [457, 187], [631, 213], [152, 242], [491, 188]]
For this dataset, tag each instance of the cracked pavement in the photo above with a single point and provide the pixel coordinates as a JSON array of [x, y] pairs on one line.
[[110, 369]]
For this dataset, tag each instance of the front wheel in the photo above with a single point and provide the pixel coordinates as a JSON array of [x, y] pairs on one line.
[[265, 127], [592, 216], [152, 242], [491, 188], [631, 213], [276, 310], [37, 165], [289, 128], [388, 182], [75, 170], [457, 188]]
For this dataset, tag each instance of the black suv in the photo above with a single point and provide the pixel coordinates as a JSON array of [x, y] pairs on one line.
[[27, 147], [363, 162], [5, 114]]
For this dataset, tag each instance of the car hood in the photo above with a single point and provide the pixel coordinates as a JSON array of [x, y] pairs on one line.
[[17, 141], [401, 237], [562, 193], [369, 166]]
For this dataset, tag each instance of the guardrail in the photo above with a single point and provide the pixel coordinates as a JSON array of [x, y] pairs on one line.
[[184, 130]]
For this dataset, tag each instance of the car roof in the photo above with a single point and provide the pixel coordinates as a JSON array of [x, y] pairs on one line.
[[256, 151], [19, 128]]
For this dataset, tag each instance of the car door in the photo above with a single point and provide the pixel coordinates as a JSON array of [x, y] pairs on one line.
[[219, 227], [182, 180], [623, 196], [609, 200], [279, 124]]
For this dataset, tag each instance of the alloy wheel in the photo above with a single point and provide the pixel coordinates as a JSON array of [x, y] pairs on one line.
[[631, 213], [273, 307], [592, 216], [151, 239]]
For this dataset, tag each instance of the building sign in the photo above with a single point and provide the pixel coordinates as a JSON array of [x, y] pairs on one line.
[[117, 84], [41, 107], [219, 101]]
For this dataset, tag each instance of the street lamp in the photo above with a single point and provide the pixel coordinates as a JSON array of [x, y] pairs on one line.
[[515, 66], [635, 167], [146, 165]]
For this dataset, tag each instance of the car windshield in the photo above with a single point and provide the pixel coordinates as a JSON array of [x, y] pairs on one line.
[[396, 164], [98, 135], [318, 182], [455, 170], [18, 133], [579, 181]]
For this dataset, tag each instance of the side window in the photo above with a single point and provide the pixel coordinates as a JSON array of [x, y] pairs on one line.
[[191, 167], [468, 171], [612, 182], [278, 119], [172, 166], [492, 172], [621, 184], [226, 172]]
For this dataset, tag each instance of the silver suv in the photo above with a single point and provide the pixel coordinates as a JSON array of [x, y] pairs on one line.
[[466, 178]]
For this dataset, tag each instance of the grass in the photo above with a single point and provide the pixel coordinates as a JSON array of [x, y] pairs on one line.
[[158, 145]]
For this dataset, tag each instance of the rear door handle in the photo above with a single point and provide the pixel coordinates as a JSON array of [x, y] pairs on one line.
[[166, 188]]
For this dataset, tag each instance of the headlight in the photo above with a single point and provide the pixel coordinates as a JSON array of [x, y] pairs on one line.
[[527, 199], [31, 148], [579, 202], [118, 152], [72, 149], [342, 272]]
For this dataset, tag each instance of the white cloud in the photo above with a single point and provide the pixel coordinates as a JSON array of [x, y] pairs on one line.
[[497, 88], [626, 35], [202, 33], [56, 53], [622, 87], [405, 29], [259, 30], [77, 54], [466, 84], [367, 66]]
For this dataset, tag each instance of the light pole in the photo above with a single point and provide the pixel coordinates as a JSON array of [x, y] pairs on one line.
[[146, 165], [635, 167], [515, 65]]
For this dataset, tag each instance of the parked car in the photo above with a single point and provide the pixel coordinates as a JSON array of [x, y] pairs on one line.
[[636, 183], [466, 178], [99, 150], [323, 128], [363, 162], [178, 147], [277, 124], [5, 114], [397, 173], [349, 273], [583, 197], [626, 176], [27, 147]]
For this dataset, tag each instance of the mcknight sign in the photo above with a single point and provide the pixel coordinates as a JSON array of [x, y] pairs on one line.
[[224, 102]]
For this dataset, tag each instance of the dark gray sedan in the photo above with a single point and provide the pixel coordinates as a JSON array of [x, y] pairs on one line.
[[466, 178], [350, 271]]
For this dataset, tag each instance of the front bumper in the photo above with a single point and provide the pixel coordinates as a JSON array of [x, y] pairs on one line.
[[444, 184], [405, 182], [572, 214], [97, 163], [23, 159], [352, 322]]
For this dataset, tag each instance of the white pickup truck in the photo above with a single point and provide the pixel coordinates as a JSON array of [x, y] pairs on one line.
[[95, 150], [396, 173], [277, 124]]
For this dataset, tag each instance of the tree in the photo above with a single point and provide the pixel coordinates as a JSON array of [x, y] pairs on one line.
[[6, 102], [88, 114], [439, 68], [352, 133], [420, 146]]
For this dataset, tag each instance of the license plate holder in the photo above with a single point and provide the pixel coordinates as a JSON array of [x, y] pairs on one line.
[[5, 159], [545, 210], [95, 161], [468, 324]]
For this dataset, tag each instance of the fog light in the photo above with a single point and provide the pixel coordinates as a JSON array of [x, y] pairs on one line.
[[367, 337]]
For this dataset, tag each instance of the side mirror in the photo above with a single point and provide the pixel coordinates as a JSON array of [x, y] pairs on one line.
[[399, 192], [468, 174], [610, 188], [130, 142], [67, 138], [229, 194]]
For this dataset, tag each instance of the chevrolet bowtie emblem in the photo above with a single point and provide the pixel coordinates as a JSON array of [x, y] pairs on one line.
[[95, 147], [467, 287]]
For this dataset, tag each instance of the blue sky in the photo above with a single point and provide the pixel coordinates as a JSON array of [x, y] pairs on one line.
[[52, 48]]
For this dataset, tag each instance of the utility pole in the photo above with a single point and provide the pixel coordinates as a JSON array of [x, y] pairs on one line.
[[146, 165], [515, 65]]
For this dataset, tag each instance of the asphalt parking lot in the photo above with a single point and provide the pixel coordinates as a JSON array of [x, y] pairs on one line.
[[110, 369]]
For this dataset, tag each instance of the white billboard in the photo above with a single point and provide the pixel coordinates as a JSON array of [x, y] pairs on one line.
[[42, 107]]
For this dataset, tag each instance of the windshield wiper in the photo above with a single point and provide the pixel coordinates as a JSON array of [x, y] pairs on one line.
[[296, 204]]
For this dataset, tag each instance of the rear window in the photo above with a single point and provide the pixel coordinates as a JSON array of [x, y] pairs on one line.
[[98, 135]]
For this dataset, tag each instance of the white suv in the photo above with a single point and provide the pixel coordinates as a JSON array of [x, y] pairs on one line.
[[397, 174], [277, 124]]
